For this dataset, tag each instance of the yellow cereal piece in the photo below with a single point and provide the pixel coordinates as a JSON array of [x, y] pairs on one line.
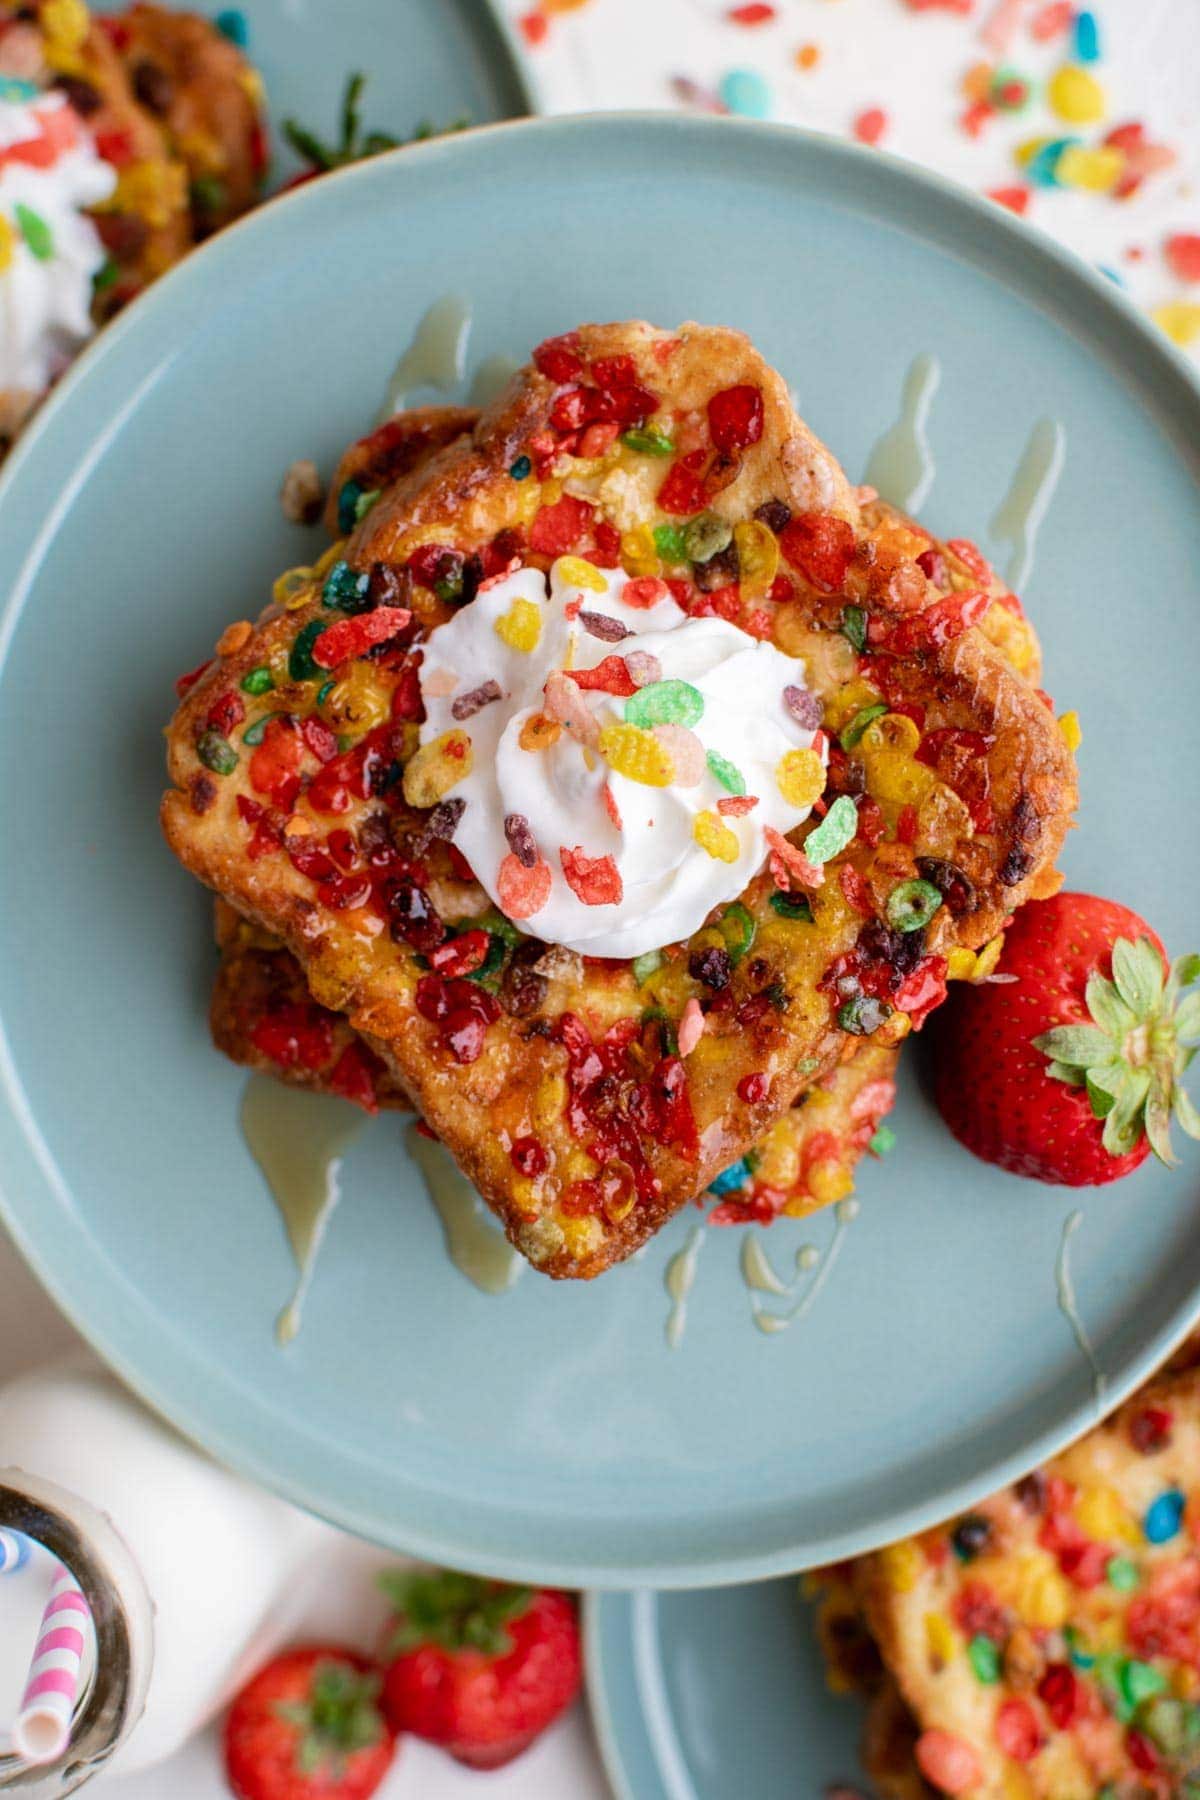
[[894, 732], [901, 1566], [988, 957], [1109, 1634], [640, 756], [758, 558], [1042, 1595], [335, 553], [829, 1180], [521, 626], [1072, 733], [639, 553], [1105, 1517], [579, 1234], [1075, 96], [800, 777], [714, 836], [580, 574], [941, 1638], [155, 189], [1180, 319], [893, 776], [358, 702], [203, 153], [8, 242], [437, 767], [65, 23], [1094, 170], [1185, 1682], [960, 964], [252, 85], [293, 589]]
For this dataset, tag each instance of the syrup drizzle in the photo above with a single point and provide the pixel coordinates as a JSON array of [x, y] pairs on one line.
[[1067, 1304], [771, 1323], [437, 355], [901, 466], [678, 1278], [491, 378], [298, 1139], [1019, 516], [475, 1244]]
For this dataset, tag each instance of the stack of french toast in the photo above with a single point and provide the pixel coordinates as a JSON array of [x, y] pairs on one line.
[[589, 1097]]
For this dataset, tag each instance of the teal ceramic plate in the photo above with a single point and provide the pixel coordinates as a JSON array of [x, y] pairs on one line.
[[701, 1695], [550, 1430], [426, 62]]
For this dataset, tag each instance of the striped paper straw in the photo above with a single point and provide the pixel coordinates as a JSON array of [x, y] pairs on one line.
[[43, 1725], [15, 1550]]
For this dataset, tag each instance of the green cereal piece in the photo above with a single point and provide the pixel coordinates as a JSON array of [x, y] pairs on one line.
[[665, 703], [838, 828]]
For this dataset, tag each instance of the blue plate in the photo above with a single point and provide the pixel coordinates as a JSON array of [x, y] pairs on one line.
[[550, 1431], [701, 1695], [426, 61]]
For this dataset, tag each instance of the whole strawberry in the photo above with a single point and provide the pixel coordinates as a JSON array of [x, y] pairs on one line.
[[478, 1667], [309, 1727], [1069, 1070]]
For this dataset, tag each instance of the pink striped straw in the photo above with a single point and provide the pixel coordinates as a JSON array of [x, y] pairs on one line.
[[43, 1725]]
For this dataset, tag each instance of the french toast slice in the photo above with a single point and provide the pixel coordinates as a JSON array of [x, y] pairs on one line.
[[573, 1112], [264, 1018], [1053, 1634]]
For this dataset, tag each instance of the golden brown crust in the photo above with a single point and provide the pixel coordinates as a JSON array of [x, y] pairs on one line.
[[465, 495]]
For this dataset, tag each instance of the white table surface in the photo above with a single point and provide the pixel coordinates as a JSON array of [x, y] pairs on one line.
[[344, 1608]]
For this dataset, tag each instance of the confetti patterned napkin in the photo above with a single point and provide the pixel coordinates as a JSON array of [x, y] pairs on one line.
[[1085, 118]]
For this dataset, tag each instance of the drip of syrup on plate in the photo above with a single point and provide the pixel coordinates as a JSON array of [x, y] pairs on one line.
[[491, 378], [298, 1139], [901, 466], [1019, 515], [475, 1244], [437, 355], [757, 1271], [678, 1278], [771, 1323], [1068, 1306]]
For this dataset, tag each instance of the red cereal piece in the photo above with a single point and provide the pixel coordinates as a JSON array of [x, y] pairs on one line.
[[1182, 251], [645, 591], [351, 637], [682, 493], [1051, 21], [944, 1759], [611, 807], [557, 529], [940, 623], [521, 891], [461, 955], [735, 418], [595, 880], [275, 765], [610, 372], [558, 358], [734, 806], [972, 557], [870, 125], [184, 683], [320, 740], [1017, 1730], [789, 866], [610, 676], [295, 1037], [856, 891], [1015, 198], [821, 547], [353, 1077], [753, 1088]]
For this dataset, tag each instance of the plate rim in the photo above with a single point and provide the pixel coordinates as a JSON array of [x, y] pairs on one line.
[[70, 1286]]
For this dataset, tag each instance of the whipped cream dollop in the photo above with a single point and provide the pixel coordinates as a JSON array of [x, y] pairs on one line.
[[49, 250], [612, 818]]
